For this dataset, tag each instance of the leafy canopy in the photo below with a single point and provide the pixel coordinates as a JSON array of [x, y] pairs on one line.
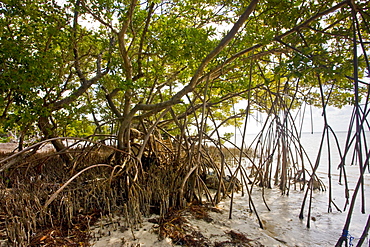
[[99, 60]]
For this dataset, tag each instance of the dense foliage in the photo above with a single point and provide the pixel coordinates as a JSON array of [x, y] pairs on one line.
[[63, 62]]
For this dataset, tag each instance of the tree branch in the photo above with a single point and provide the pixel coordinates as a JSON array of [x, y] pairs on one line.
[[85, 84], [111, 103], [147, 22], [122, 44], [75, 50], [77, 93], [97, 17], [279, 37], [224, 42], [195, 79]]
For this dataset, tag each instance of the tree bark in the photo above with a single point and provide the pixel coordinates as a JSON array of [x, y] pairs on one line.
[[47, 130]]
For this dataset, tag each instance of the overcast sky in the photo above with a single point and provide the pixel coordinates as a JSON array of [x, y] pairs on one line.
[[338, 119]]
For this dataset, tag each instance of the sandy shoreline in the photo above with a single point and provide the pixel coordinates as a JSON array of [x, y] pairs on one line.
[[282, 227], [10, 147], [215, 231]]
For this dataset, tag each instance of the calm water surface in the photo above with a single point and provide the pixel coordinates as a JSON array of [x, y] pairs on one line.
[[282, 221]]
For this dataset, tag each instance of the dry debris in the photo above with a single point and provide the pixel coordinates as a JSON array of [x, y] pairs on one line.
[[175, 225]]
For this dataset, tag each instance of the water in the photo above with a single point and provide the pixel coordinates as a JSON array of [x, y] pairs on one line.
[[282, 221]]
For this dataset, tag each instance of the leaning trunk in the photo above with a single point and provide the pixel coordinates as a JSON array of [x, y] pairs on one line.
[[47, 130], [123, 137]]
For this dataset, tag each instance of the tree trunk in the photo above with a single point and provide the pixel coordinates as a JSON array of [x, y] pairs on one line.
[[124, 136], [47, 130]]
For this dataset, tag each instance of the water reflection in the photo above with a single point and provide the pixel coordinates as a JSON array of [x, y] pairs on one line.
[[283, 223]]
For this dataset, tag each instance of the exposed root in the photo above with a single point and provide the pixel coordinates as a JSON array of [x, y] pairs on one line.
[[41, 197], [175, 225]]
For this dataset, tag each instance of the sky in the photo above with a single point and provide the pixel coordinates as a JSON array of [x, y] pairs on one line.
[[338, 119]]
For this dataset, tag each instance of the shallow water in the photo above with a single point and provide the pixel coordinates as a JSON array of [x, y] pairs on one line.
[[282, 222]]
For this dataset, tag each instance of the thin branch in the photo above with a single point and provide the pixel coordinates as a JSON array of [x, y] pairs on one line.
[[98, 18], [145, 31]]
